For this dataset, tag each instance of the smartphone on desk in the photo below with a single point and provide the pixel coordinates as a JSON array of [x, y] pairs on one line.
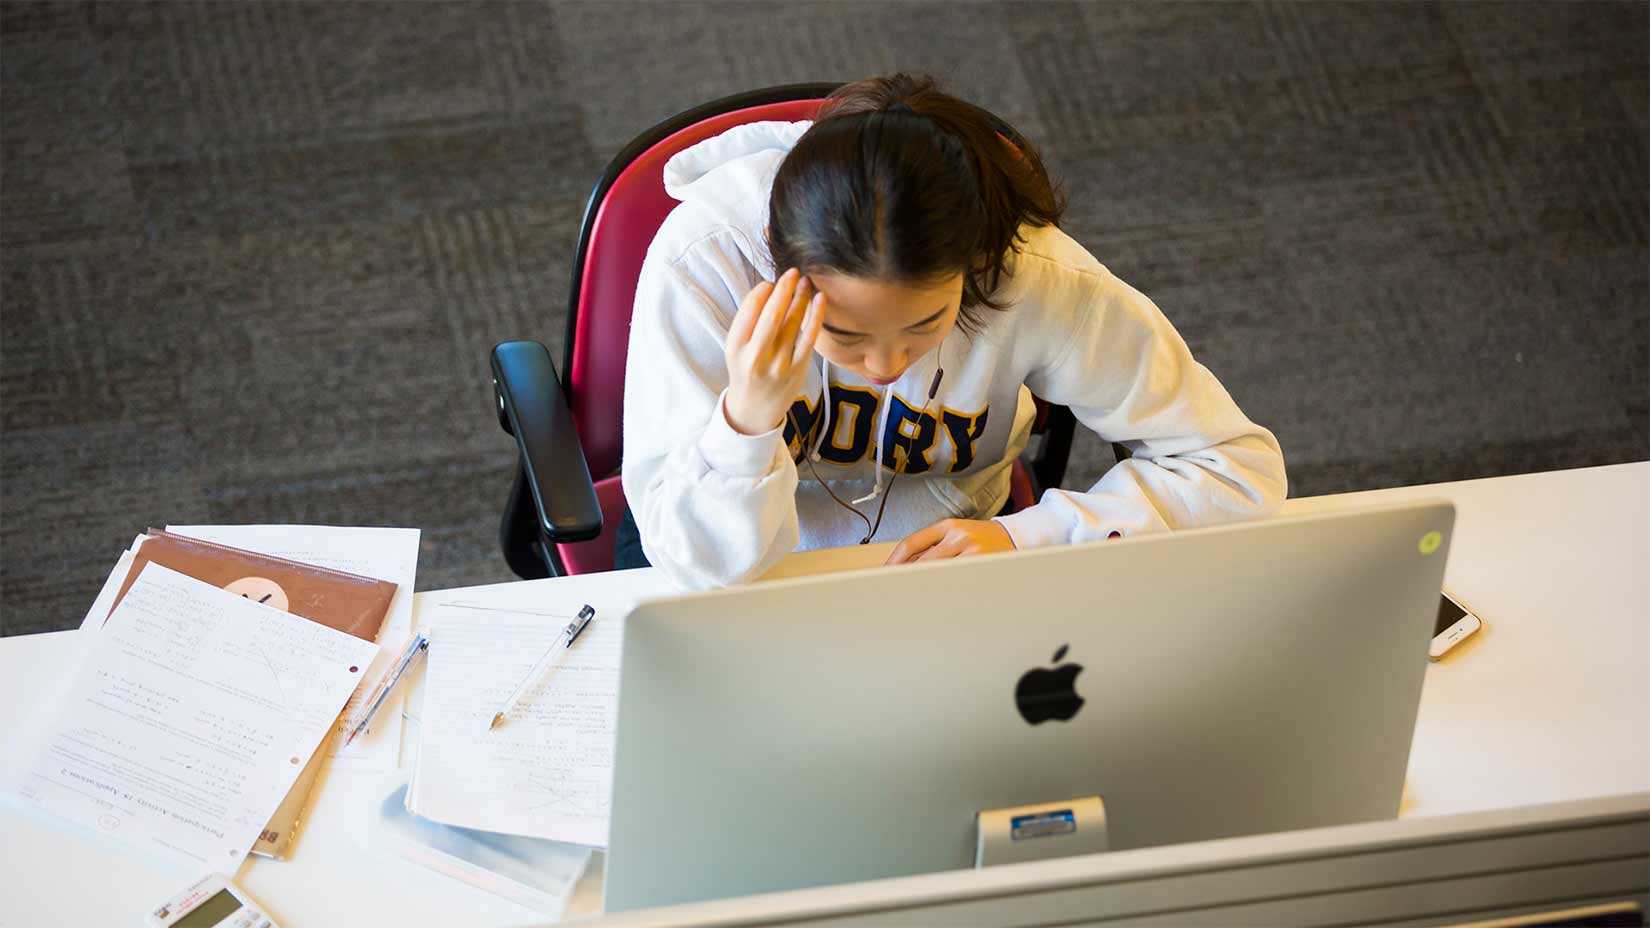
[[1455, 624]]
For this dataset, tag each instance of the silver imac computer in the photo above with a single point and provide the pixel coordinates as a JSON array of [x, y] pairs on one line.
[[1236, 680]]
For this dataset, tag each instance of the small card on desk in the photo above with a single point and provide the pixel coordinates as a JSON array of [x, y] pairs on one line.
[[829, 561]]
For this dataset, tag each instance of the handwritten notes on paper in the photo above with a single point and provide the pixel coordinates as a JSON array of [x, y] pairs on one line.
[[190, 718], [382, 553], [547, 771]]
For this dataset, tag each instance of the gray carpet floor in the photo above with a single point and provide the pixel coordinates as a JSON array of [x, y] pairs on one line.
[[253, 255]]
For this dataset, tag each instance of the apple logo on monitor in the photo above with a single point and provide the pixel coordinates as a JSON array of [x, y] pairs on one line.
[[1046, 693]]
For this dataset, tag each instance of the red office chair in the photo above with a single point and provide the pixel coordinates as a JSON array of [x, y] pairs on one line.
[[558, 521]]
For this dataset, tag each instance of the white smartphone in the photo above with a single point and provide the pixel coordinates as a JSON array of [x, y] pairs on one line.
[[1455, 624]]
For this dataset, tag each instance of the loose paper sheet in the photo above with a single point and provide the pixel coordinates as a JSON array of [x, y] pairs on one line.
[[95, 616], [381, 553], [190, 718], [547, 771]]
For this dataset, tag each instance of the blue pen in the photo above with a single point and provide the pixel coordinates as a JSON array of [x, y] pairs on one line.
[[417, 646]]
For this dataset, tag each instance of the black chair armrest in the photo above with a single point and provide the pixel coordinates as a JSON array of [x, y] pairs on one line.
[[532, 408]]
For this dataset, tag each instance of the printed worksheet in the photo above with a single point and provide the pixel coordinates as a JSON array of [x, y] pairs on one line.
[[546, 772], [381, 553], [189, 719]]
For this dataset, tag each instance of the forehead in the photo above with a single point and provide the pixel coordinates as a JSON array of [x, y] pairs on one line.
[[866, 305]]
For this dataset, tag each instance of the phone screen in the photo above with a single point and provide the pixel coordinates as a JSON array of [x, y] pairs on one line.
[[1448, 614]]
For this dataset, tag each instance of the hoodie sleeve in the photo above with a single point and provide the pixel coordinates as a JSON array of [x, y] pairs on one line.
[[1127, 374], [714, 506]]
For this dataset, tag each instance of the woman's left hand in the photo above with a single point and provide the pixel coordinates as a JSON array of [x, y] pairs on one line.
[[952, 538]]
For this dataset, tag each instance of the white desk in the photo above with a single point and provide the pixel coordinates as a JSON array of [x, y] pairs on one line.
[[1551, 701]]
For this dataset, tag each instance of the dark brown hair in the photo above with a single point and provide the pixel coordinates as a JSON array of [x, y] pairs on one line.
[[900, 182]]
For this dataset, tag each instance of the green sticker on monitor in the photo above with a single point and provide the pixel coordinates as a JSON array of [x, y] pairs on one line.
[[1430, 542]]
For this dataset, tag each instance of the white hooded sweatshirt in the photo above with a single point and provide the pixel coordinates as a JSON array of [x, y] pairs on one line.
[[718, 507]]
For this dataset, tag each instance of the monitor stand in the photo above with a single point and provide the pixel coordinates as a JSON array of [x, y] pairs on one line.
[[1038, 832]]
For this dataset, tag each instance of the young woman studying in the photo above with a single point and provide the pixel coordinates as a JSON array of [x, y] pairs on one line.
[[837, 334]]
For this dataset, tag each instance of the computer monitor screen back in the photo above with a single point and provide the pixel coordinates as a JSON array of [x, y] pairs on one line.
[[1234, 680]]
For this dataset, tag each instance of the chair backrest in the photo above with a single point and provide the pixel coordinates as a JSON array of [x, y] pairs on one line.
[[624, 213]]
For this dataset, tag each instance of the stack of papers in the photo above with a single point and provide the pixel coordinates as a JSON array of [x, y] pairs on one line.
[[547, 771], [189, 718], [384, 553], [196, 709], [532, 872], [515, 810]]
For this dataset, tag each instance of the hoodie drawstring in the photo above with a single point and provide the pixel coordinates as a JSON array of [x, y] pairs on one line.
[[876, 448]]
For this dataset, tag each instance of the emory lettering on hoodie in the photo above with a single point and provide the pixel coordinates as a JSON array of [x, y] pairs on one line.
[[716, 507]]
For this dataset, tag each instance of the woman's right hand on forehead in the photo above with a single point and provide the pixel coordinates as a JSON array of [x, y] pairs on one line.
[[768, 348]]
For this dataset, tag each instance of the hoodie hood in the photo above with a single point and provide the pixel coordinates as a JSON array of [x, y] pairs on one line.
[[730, 175]]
